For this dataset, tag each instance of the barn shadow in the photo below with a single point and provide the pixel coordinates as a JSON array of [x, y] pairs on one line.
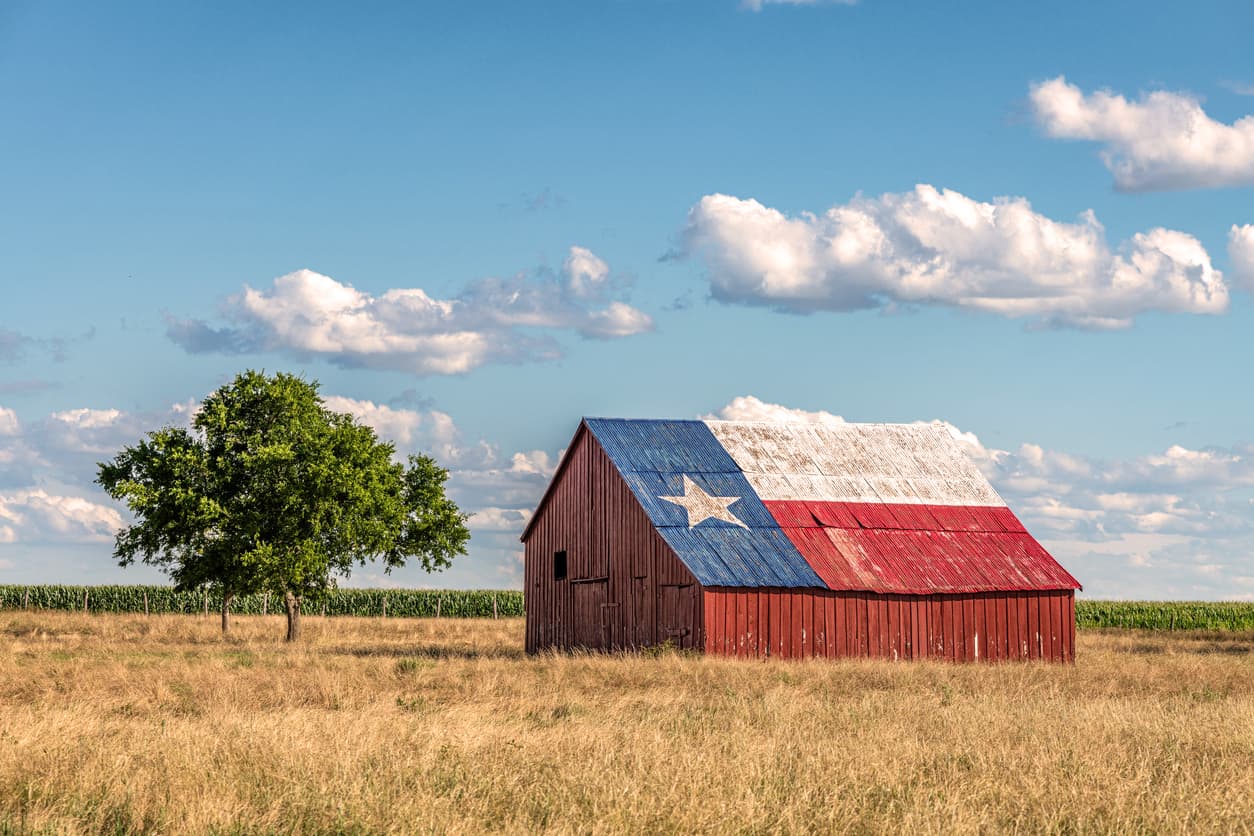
[[1198, 647]]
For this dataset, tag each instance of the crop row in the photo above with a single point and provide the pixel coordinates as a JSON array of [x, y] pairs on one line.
[[1165, 615], [409, 603]]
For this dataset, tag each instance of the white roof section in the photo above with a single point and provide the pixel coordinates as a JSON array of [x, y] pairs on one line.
[[916, 464]]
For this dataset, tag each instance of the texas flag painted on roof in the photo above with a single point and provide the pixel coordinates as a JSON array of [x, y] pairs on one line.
[[890, 508]]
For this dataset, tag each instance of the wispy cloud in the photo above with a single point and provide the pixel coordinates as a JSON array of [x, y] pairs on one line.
[[1241, 88], [759, 5], [21, 387], [510, 320]]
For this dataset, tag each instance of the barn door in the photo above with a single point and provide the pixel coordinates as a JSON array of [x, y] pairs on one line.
[[678, 614], [592, 616]]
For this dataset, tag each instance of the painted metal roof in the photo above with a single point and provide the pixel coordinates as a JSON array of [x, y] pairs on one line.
[[879, 507], [655, 456]]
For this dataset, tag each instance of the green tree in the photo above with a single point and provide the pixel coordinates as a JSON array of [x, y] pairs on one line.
[[271, 491]]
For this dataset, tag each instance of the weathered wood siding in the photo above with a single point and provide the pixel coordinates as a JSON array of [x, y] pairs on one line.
[[795, 623], [624, 587]]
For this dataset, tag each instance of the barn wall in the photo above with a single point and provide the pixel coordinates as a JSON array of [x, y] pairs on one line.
[[625, 587], [990, 626]]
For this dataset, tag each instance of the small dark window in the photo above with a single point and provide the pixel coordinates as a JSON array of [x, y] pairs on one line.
[[559, 566]]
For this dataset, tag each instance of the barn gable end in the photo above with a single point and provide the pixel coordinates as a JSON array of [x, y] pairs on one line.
[[624, 586]]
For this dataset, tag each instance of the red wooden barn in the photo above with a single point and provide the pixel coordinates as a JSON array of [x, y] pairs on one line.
[[787, 539]]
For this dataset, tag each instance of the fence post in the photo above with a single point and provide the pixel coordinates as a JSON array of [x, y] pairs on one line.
[[385, 606], [205, 594], [494, 605], [438, 599], [26, 599], [265, 604], [324, 607], [84, 602], [145, 603]]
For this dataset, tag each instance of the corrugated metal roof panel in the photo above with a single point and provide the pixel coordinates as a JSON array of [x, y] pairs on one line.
[[705, 563], [833, 514], [661, 446], [1007, 519], [792, 515]]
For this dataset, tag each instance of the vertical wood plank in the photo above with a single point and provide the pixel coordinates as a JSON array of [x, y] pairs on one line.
[[1021, 625], [894, 629], [1034, 626], [806, 600], [759, 632], [775, 642], [830, 639], [711, 619], [947, 627], [971, 626], [751, 622], [738, 623], [935, 625]]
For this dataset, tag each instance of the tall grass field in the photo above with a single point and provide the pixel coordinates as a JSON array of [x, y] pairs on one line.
[[120, 723]]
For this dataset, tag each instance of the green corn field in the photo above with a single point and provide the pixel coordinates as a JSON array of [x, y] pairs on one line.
[[479, 603], [1164, 615], [404, 603]]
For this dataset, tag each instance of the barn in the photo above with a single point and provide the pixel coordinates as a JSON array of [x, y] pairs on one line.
[[789, 540]]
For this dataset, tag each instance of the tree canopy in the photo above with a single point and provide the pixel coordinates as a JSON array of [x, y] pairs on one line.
[[271, 491]]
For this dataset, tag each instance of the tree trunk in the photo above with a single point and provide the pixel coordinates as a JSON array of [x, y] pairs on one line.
[[226, 613], [292, 604]]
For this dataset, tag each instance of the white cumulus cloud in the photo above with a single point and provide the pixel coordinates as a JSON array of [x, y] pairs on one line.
[[1163, 140], [405, 329], [400, 426], [938, 247], [750, 408], [36, 515], [87, 419], [499, 519], [1241, 254]]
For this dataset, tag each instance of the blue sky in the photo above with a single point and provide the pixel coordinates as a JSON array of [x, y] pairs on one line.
[[1029, 222]]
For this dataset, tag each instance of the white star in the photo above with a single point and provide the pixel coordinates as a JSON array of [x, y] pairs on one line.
[[701, 506]]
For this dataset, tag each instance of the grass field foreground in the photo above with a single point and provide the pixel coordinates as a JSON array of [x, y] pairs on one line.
[[112, 723]]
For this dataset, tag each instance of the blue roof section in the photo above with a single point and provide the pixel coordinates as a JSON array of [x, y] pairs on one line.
[[661, 446], [653, 458]]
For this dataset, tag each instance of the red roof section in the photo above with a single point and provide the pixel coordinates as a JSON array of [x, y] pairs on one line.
[[918, 549]]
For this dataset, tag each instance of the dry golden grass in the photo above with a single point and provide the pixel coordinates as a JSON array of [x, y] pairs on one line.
[[121, 723]]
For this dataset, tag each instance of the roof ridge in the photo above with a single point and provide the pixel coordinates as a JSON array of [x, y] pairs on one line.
[[936, 422]]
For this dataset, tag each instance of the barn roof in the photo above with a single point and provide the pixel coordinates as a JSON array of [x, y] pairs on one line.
[[890, 508]]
